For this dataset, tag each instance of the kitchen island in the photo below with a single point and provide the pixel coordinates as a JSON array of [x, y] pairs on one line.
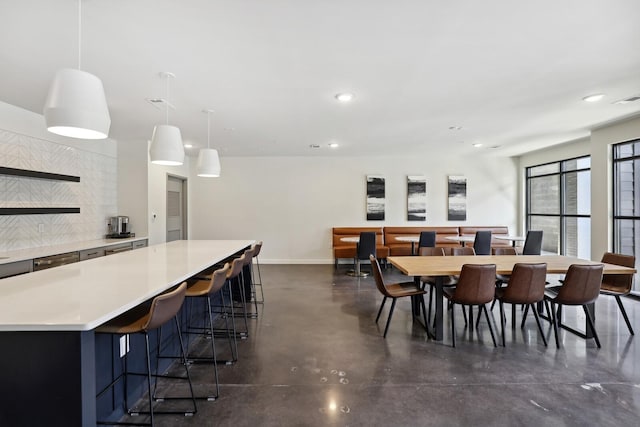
[[47, 322]]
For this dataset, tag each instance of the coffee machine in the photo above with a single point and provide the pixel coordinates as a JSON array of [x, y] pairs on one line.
[[119, 227]]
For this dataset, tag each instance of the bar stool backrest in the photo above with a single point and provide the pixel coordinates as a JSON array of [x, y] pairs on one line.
[[533, 243], [482, 242], [236, 267], [248, 255], [218, 278], [257, 247], [165, 307]]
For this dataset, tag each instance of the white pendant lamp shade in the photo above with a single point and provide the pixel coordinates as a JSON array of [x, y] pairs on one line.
[[208, 165], [166, 146], [76, 106]]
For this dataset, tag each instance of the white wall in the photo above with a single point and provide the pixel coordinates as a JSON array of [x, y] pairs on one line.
[[26, 144], [133, 181], [601, 180], [157, 196], [291, 203]]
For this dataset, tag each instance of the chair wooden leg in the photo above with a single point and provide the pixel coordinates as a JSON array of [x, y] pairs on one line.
[[535, 314], [624, 313], [483, 307], [381, 307], [591, 325], [386, 328], [502, 322]]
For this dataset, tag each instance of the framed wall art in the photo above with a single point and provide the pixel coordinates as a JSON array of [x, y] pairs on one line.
[[375, 198], [457, 193], [416, 198]]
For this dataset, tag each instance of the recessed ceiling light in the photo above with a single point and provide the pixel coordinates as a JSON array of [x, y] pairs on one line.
[[188, 145], [593, 98], [455, 127], [477, 144], [314, 146], [334, 145], [344, 97]]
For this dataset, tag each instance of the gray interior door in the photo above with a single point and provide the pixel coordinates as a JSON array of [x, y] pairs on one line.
[[176, 218]]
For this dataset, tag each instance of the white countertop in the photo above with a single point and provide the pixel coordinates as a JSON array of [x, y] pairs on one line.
[[83, 295], [32, 253]]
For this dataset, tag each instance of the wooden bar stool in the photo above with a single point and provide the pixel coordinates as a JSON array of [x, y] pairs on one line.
[[143, 319]]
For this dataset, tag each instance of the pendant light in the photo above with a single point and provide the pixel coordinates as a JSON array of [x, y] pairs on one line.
[[166, 142], [76, 105], [208, 165]]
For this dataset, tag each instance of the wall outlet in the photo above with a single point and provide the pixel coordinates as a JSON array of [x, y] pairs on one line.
[[40, 228]]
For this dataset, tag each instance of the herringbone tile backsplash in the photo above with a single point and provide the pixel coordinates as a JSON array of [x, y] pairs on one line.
[[95, 194]]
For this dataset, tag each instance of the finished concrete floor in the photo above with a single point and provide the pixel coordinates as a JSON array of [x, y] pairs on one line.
[[315, 357]]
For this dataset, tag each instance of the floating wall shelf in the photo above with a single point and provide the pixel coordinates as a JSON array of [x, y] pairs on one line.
[[36, 174], [39, 175], [37, 211]]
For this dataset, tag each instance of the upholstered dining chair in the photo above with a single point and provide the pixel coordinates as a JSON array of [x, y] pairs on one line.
[[476, 286], [427, 239], [395, 291], [617, 285], [526, 286], [366, 247], [581, 286], [482, 242], [532, 243], [257, 281]]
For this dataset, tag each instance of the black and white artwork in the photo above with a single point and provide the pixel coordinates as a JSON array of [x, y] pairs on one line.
[[416, 198], [375, 198], [457, 190]]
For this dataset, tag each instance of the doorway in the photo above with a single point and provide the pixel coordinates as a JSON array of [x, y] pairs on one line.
[[176, 208]]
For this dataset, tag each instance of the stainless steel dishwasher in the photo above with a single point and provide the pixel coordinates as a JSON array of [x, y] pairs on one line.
[[55, 260]]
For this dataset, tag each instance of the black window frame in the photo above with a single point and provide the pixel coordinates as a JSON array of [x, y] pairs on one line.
[[562, 216]]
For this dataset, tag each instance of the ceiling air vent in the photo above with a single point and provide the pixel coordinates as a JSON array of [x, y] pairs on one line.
[[628, 100], [160, 103]]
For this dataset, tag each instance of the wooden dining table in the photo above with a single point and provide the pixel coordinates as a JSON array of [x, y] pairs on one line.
[[443, 266]]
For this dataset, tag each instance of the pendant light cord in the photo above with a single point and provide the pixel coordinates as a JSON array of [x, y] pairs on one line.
[[208, 128], [79, 34], [167, 103]]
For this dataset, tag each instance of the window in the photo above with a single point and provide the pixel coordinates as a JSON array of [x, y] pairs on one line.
[[559, 204], [626, 198]]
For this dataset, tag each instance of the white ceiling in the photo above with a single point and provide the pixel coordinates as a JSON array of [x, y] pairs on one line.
[[510, 73]]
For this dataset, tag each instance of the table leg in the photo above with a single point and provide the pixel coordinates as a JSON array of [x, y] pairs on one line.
[[438, 333]]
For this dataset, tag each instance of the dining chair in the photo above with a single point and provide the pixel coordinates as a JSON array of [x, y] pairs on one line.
[[142, 320], [617, 285], [366, 246], [463, 251], [581, 286], [532, 243], [526, 286], [476, 286], [431, 280], [501, 279], [395, 291], [482, 242], [427, 239]]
